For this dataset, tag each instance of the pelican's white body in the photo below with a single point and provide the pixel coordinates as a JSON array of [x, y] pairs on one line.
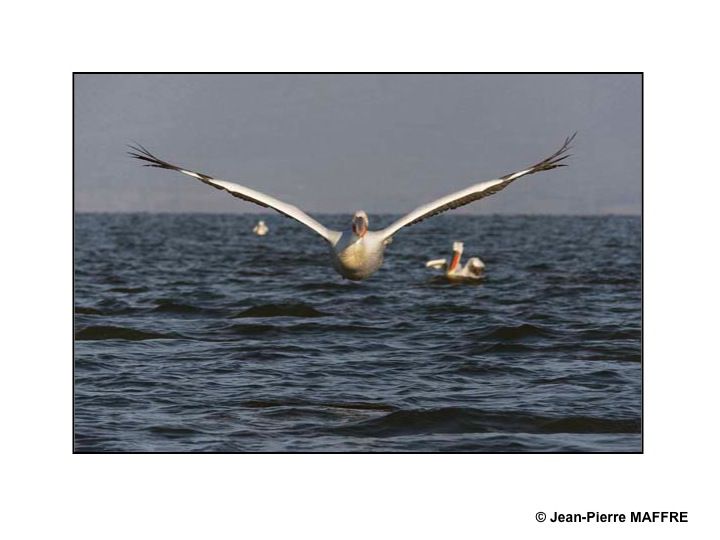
[[472, 270], [358, 257]]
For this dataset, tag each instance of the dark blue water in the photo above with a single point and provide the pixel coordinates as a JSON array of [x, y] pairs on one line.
[[194, 335]]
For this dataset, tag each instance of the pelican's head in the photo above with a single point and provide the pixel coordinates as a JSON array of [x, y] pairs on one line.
[[476, 266], [360, 223]]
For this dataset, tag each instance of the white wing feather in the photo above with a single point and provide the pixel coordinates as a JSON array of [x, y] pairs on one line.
[[242, 192], [438, 264], [475, 192]]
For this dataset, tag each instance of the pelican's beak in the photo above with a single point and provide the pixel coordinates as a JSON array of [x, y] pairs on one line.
[[359, 225], [359, 228]]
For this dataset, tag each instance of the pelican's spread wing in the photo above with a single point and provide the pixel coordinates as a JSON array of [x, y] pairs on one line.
[[475, 192], [242, 192], [438, 264]]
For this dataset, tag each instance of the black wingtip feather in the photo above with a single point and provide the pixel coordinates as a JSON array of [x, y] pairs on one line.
[[143, 154], [554, 160]]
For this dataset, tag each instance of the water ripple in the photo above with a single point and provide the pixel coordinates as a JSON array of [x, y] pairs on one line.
[[191, 334]]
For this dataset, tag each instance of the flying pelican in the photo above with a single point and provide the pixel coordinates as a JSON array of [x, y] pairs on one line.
[[260, 229], [473, 270], [358, 252]]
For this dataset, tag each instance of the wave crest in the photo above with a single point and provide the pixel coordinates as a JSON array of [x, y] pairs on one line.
[[280, 310], [96, 333]]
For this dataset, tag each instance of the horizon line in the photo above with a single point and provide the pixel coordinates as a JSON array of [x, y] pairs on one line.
[[200, 212]]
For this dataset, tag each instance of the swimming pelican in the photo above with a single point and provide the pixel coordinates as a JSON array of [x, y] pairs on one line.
[[473, 270], [358, 252], [260, 229]]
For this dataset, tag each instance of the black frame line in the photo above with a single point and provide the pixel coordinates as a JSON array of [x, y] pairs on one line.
[[642, 243]]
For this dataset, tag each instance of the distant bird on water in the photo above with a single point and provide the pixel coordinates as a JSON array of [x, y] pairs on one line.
[[357, 252], [260, 229], [454, 271]]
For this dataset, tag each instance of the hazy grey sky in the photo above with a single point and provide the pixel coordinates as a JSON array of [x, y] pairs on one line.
[[338, 143]]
